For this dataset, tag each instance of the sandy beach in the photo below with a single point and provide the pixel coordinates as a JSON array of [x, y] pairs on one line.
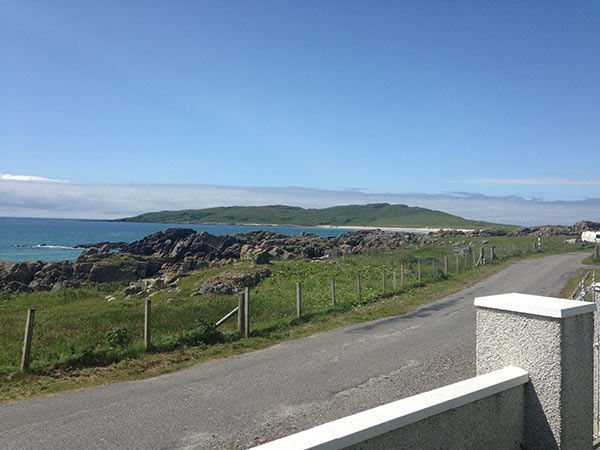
[[355, 227], [396, 229]]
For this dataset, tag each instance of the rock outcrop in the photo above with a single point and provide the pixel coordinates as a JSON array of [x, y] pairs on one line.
[[231, 282], [181, 250]]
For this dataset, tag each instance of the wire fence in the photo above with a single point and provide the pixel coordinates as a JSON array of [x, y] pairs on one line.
[[71, 330]]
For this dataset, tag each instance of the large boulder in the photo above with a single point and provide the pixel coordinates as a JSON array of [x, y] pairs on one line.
[[262, 258], [81, 270], [5, 268], [586, 225], [230, 282], [14, 287], [21, 273], [117, 269], [159, 244]]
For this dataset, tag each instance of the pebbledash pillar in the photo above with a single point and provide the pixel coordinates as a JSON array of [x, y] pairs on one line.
[[552, 339]]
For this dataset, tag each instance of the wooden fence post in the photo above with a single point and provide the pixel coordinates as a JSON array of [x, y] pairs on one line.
[[419, 270], [240, 311], [446, 265], [394, 280], [333, 292], [493, 253], [456, 263], [402, 276], [27, 340], [298, 300], [597, 251], [246, 312], [147, 322], [383, 280], [474, 263], [358, 286]]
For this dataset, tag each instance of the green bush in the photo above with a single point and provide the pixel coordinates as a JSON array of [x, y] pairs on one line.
[[119, 337], [203, 335]]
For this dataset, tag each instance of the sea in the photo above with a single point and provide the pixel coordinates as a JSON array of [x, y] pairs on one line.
[[51, 240]]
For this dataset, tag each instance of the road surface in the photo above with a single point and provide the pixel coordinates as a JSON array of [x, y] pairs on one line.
[[245, 400]]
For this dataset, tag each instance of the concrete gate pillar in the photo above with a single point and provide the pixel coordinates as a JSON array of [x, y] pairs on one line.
[[552, 339]]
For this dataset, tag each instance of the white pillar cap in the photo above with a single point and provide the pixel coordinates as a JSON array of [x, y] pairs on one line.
[[536, 305]]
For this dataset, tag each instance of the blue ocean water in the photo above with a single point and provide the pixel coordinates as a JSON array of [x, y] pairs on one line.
[[51, 240]]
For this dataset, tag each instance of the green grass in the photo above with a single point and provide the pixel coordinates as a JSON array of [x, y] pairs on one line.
[[591, 260], [574, 282], [379, 214], [77, 331]]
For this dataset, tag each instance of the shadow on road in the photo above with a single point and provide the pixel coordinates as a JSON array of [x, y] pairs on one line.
[[421, 312]]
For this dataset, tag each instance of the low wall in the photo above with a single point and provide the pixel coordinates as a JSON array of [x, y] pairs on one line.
[[544, 404], [481, 412], [552, 338]]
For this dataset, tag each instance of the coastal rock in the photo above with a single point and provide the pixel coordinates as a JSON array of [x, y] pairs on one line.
[[14, 287], [66, 284], [147, 285], [22, 273], [106, 245], [54, 272], [262, 258], [81, 270], [179, 251], [133, 289], [159, 243], [5, 268], [123, 268], [585, 225], [230, 282], [40, 285]]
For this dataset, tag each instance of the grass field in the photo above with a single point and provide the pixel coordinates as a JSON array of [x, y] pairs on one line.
[[81, 339], [575, 280]]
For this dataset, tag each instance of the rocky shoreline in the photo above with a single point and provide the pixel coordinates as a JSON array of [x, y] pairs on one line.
[[181, 250]]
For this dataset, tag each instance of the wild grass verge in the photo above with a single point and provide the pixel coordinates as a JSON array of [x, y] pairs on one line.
[[82, 339]]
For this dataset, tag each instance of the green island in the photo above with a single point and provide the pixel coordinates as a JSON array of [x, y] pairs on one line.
[[371, 215]]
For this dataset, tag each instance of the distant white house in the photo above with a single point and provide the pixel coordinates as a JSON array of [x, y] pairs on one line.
[[590, 236]]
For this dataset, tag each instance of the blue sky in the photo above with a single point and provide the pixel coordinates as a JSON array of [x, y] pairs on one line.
[[498, 99]]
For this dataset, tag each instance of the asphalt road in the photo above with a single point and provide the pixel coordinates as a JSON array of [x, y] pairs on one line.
[[245, 400]]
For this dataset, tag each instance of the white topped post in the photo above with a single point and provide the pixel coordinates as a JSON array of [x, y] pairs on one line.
[[552, 339]]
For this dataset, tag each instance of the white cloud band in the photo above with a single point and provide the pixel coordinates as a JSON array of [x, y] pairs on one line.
[[533, 181], [114, 201], [9, 177]]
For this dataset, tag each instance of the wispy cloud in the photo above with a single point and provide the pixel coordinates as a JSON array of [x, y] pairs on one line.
[[105, 201], [562, 181], [9, 177]]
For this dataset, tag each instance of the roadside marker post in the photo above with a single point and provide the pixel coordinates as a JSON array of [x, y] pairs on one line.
[[27, 340], [402, 276], [333, 292], [241, 309], [147, 320], [247, 312], [298, 300]]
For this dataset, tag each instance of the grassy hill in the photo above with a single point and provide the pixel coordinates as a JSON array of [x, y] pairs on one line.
[[377, 214]]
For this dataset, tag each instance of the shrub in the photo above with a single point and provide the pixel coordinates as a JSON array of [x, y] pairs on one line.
[[207, 333], [119, 337]]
